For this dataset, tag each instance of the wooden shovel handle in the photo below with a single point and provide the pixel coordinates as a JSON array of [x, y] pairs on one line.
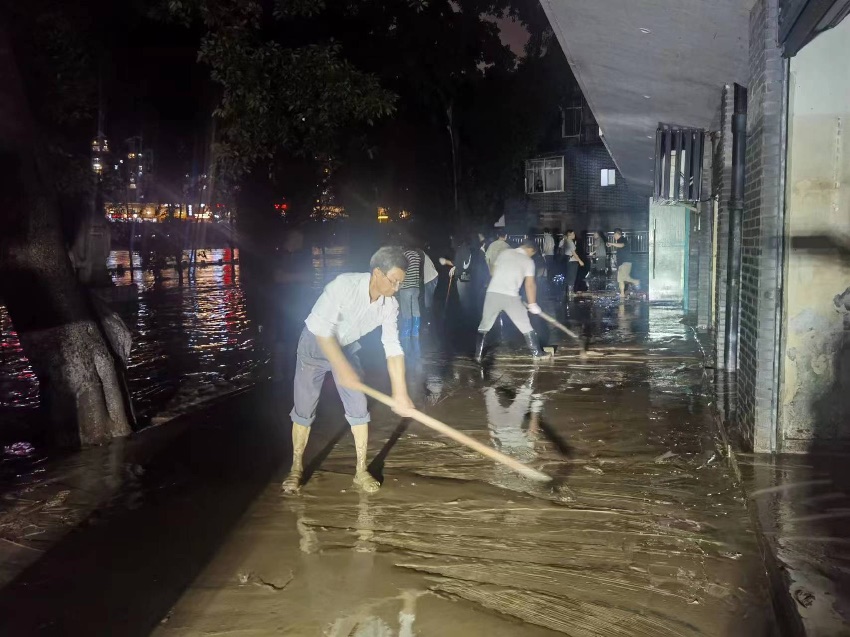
[[454, 434]]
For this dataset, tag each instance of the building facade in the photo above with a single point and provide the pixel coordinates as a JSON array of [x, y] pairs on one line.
[[573, 182], [765, 252]]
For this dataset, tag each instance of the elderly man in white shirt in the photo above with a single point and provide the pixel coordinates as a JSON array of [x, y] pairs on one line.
[[514, 268], [351, 306]]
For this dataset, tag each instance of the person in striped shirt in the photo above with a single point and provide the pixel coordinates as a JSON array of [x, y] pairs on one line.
[[408, 296]]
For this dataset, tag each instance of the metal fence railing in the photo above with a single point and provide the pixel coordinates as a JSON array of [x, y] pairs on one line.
[[639, 240]]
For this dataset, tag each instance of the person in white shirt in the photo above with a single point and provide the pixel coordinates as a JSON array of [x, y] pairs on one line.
[[548, 246], [495, 249], [430, 282], [568, 248], [513, 269], [351, 306]]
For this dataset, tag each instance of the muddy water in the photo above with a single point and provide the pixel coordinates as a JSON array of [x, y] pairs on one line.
[[186, 338], [642, 532], [191, 339]]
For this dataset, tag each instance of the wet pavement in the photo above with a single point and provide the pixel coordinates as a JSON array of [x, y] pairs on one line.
[[643, 531], [801, 504]]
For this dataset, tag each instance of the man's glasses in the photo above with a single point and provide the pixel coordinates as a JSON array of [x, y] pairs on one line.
[[396, 284]]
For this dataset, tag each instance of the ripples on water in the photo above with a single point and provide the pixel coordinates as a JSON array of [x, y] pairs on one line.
[[18, 384], [198, 337], [190, 336], [188, 339]]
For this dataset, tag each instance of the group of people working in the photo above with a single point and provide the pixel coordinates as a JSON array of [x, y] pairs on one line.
[[388, 296], [574, 257]]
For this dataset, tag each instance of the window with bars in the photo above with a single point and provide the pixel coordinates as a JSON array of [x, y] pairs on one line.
[[571, 119], [544, 175]]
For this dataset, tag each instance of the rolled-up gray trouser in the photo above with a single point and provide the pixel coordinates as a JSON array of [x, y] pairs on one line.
[[494, 303], [310, 369]]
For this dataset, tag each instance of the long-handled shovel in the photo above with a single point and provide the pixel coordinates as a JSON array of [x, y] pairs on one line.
[[553, 321], [454, 434], [446, 304]]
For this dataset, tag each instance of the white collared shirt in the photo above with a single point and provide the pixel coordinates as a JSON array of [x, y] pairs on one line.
[[430, 270], [345, 311]]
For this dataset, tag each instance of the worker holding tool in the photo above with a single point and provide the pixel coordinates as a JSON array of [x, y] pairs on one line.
[[513, 269], [351, 306]]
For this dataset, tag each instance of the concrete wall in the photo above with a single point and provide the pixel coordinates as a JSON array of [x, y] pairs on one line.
[[757, 382], [815, 388]]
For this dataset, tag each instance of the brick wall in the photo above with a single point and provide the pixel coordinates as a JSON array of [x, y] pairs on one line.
[[704, 228], [762, 230], [585, 203], [721, 167]]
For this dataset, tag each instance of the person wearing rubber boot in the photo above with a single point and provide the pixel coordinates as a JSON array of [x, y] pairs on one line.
[[351, 306], [408, 296], [513, 269]]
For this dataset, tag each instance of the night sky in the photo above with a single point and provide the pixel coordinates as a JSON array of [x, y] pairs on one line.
[[154, 87]]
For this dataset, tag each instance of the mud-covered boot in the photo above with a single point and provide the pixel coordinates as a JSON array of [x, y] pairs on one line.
[[479, 346], [300, 435], [533, 342], [363, 480]]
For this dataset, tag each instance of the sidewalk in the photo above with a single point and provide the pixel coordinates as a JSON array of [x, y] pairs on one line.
[[643, 533]]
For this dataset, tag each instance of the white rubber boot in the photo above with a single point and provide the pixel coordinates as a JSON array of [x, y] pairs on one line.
[[300, 435], [362, 478]]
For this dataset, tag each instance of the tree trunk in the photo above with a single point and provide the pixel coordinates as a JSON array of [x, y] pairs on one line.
[[59, 331]]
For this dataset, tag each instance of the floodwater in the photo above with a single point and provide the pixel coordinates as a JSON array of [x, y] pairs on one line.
[[185, 337], [191, 340], [642, 532]]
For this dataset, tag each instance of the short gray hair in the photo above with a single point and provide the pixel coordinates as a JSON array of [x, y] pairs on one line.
[[387, 258]]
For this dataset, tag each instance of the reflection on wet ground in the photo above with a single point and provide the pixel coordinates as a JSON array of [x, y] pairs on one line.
[[642, 533]]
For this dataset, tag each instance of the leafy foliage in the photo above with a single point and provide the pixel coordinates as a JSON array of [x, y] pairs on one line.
[[277, 98]]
